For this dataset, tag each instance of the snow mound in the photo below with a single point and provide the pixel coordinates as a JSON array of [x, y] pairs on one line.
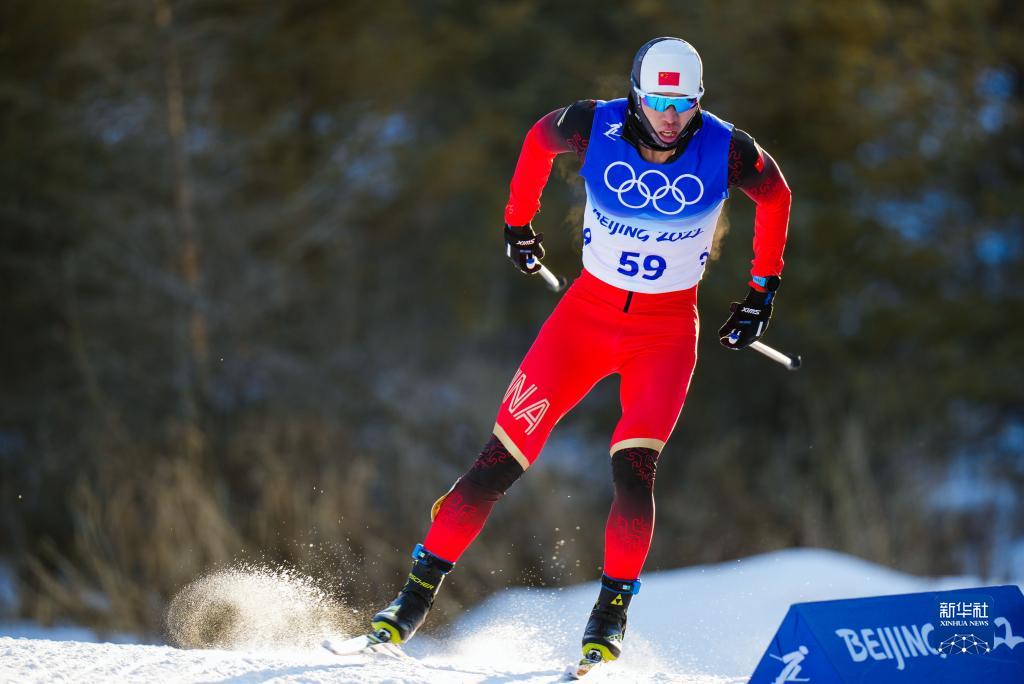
[[254, 607], [704, 621], [705, 624]]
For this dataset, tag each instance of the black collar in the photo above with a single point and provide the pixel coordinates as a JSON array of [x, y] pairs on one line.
[[633, 135]]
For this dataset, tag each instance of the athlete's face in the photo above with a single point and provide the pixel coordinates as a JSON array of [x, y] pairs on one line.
[[669, 123]]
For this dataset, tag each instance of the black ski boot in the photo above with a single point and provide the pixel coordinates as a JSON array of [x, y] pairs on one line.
[[602, 639], [399, 621]]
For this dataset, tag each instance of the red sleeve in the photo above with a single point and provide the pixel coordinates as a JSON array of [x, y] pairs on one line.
[[755, 172], [542, 144]]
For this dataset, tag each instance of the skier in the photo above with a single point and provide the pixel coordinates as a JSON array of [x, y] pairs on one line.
[[657, 170]]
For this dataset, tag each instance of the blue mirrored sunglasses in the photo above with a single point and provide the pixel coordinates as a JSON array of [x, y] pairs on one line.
[[660, 103]]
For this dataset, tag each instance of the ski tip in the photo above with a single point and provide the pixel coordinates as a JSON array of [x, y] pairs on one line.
[[347, 646], [363, 644], [586, 665], [571, 673], [575, 673]]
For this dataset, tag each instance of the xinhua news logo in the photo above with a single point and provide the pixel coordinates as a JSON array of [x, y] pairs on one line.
[[963, 614]]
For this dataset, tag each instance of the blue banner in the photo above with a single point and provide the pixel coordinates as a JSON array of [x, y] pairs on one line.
[[945, 637]]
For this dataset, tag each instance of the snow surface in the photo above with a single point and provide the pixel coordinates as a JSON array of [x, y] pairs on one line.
[[701, 625]]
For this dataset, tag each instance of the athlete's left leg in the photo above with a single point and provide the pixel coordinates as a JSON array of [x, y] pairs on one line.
[[652, 391]]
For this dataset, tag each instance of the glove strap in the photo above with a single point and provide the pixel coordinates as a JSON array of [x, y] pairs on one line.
[[769, 283]]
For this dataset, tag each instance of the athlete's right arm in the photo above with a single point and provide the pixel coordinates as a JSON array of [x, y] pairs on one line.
[[563, 130]]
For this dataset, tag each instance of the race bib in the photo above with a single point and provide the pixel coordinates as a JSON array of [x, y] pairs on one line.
[[648, 227], [647, 256]]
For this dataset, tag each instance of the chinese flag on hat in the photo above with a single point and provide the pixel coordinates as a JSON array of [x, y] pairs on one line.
[[668, 78]]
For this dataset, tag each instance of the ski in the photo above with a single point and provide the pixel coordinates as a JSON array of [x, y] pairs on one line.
[[588, 664], [364, 643]]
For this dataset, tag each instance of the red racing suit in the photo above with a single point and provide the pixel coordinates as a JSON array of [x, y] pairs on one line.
[[604, 325], [600, 328]]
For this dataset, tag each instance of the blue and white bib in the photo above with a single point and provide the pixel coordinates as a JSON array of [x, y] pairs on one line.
[[648, 227]]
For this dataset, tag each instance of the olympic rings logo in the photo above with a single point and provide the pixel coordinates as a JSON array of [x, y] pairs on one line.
[[652, 196]]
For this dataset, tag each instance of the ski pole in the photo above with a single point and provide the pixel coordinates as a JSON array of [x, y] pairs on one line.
[[555, 283], [790, 361]]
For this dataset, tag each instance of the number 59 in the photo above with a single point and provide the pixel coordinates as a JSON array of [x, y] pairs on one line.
[[653, 265]]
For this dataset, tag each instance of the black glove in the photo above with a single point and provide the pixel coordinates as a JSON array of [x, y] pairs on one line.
[[750, 318], [523, 247]]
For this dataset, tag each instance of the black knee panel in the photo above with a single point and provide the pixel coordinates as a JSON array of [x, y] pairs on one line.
[[495, 469], [634, 468]]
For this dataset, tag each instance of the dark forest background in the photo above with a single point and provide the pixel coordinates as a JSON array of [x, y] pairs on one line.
[[254, 303]]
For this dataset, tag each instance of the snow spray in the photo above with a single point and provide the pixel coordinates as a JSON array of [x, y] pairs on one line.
[[252, 606]]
